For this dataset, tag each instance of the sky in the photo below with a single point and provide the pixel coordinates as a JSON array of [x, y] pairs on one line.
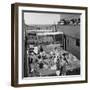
[[41, 18], [46, 18]]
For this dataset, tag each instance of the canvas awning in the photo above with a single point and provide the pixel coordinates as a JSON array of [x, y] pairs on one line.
[[49, 33]]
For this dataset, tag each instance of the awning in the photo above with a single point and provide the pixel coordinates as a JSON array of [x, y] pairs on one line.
[[49, 33]]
